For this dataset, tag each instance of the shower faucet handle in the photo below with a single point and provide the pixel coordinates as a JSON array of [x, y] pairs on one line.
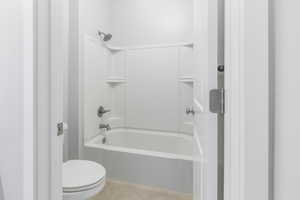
[[101, 111], [105, 126], [190, 111]]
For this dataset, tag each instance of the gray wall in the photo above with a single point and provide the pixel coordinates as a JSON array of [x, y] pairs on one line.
[[71, 114]]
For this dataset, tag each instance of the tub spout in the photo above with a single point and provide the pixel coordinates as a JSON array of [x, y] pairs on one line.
[[105, 126]]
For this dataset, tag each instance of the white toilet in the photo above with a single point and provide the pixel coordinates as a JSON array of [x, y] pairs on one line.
[[82, 179]]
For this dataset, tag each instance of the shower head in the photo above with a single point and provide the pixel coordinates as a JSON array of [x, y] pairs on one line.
[[105, 37]]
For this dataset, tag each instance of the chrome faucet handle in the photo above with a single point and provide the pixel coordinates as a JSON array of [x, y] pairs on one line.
[[108, 128], [105, 126], [101, 111], [190, 111]]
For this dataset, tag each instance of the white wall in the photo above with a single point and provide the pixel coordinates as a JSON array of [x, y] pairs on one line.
[[87, 17], [142, 22], [94, 15], [17, 100], [285, 35], [11, 99]]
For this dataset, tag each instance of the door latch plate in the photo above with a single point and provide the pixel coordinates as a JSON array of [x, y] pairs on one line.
[[217, 101]]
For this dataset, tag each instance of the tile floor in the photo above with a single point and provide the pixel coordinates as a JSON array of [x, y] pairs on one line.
[[115, 190]]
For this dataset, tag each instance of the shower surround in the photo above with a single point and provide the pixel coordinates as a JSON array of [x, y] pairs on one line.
[[146, 79], [147, 89]]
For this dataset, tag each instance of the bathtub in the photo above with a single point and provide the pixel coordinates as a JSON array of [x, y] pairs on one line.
[[151, 158]]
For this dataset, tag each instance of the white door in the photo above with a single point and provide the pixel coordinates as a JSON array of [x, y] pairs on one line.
[[59, 63], [205, 79]]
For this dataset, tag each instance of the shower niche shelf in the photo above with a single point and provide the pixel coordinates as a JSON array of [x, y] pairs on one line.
[[115, 80], [124, 48], [114, 49], [186, 79]]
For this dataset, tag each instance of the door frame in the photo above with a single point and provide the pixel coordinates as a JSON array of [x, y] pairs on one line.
[[236, 50], [51, 56], [248, 173]]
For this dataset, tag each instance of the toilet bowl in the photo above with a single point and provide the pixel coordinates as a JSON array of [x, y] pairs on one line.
[[82, 179]]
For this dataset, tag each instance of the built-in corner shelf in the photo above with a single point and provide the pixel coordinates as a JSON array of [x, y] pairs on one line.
[[186, 79], [191, 45], [115, 80], [113, 48], [118, 48]]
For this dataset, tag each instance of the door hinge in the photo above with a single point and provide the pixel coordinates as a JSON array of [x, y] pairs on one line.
[[61, 128], [217, 101]]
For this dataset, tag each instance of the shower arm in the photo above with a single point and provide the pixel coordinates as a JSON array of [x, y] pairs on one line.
[[100, 33], [105, 37]]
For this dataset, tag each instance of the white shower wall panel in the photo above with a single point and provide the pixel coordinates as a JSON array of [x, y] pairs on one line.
[[95, 89], [117, 105], [152, 89], [117, 67], [186, 62], [145, 88]]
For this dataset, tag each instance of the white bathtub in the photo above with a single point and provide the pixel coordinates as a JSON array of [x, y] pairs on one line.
[[150, 158], [160, 144]]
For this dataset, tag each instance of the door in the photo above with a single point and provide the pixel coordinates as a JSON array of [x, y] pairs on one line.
[[205, 79], [58, 67]]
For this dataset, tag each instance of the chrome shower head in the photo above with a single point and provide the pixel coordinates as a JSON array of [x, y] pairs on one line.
[[105, 37]]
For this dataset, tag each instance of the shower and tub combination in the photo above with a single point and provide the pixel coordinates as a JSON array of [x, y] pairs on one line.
[[136, 92], [142, 130], [157, 159]]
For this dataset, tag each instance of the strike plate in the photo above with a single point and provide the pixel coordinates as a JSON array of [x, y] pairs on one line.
[[217, 101]]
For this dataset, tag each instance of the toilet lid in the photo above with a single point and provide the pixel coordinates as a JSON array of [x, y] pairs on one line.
[[81, 173]]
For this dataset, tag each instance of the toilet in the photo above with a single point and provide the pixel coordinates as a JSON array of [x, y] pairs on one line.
[[82, 179]]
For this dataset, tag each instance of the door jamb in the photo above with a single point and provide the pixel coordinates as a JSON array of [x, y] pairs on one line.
[[238, 55], [51, 40], [234, 98]]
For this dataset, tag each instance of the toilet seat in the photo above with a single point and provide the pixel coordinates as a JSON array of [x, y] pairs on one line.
[[82, 195], [84, 188], [82, 175]]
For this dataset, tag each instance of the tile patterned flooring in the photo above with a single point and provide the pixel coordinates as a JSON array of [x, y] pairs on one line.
[[115, 190]]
